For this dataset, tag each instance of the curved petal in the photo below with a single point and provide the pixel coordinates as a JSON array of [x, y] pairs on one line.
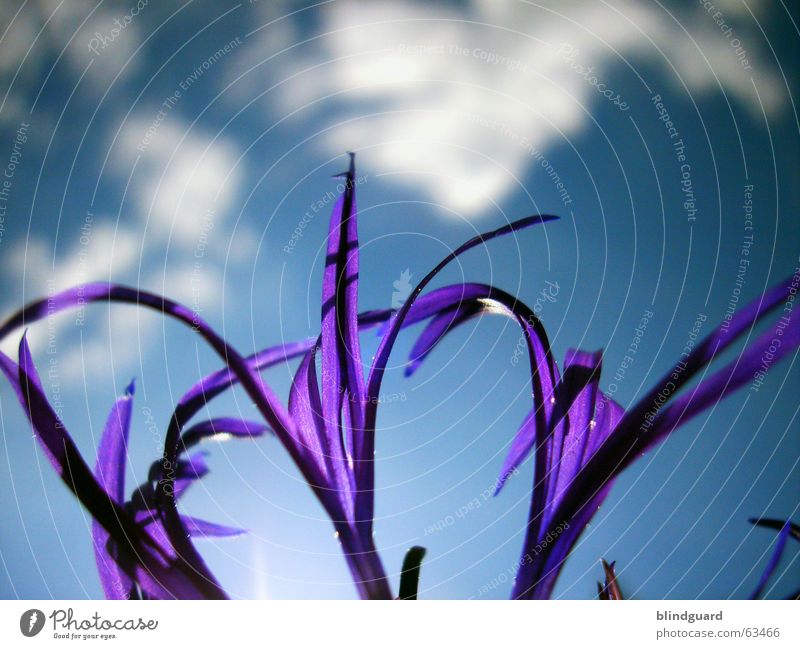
[[365, 470], [648, 422], [221, 428], [158, 576], [264, 398]]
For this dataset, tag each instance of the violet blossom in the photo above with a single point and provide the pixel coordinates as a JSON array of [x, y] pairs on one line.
[[580, 438]]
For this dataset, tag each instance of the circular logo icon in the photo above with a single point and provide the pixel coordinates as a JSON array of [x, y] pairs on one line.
[[31, 622]]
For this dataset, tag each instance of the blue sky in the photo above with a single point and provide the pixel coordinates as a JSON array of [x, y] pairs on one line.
[[182, 151]]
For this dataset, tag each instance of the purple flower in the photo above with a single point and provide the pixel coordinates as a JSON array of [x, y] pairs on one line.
[[128, 552], [336, 416], [144, 505], [580, 438]]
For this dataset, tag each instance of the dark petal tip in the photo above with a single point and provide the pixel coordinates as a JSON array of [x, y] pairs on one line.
[[409, 577]]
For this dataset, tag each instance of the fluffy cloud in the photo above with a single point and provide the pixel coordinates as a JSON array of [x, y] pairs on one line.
[[41, 31], [185, 182], [415, 85]]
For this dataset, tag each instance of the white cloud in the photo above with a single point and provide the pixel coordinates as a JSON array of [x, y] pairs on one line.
[[100, 252], [185, 183], [180, 179], [410, 80], [42, 29]]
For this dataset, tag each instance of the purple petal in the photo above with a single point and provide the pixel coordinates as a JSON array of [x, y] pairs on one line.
[[11, 371], [193, 467], [342, 373], [199, 527], [577, 404], [530, 325], [436, 329], [112, 458], [222, 428], [112, 453], [271, 408], [431, 304], [306, 409], [607, 414], [632, 434], [156, 576], [774, 560]]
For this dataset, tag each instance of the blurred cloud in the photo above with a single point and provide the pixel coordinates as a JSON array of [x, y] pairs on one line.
[[34, 35], [103, 252], [185, 182], [416, 84], [183, 188]]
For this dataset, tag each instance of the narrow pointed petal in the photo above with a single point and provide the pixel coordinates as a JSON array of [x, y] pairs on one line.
[[112, 453], [436, 329], [576, 396], [305, 406], [343, 384], [155, 575], [611, 586], [112, 459], [11, 371], [198, 527], [773, 562], [649, 421]]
